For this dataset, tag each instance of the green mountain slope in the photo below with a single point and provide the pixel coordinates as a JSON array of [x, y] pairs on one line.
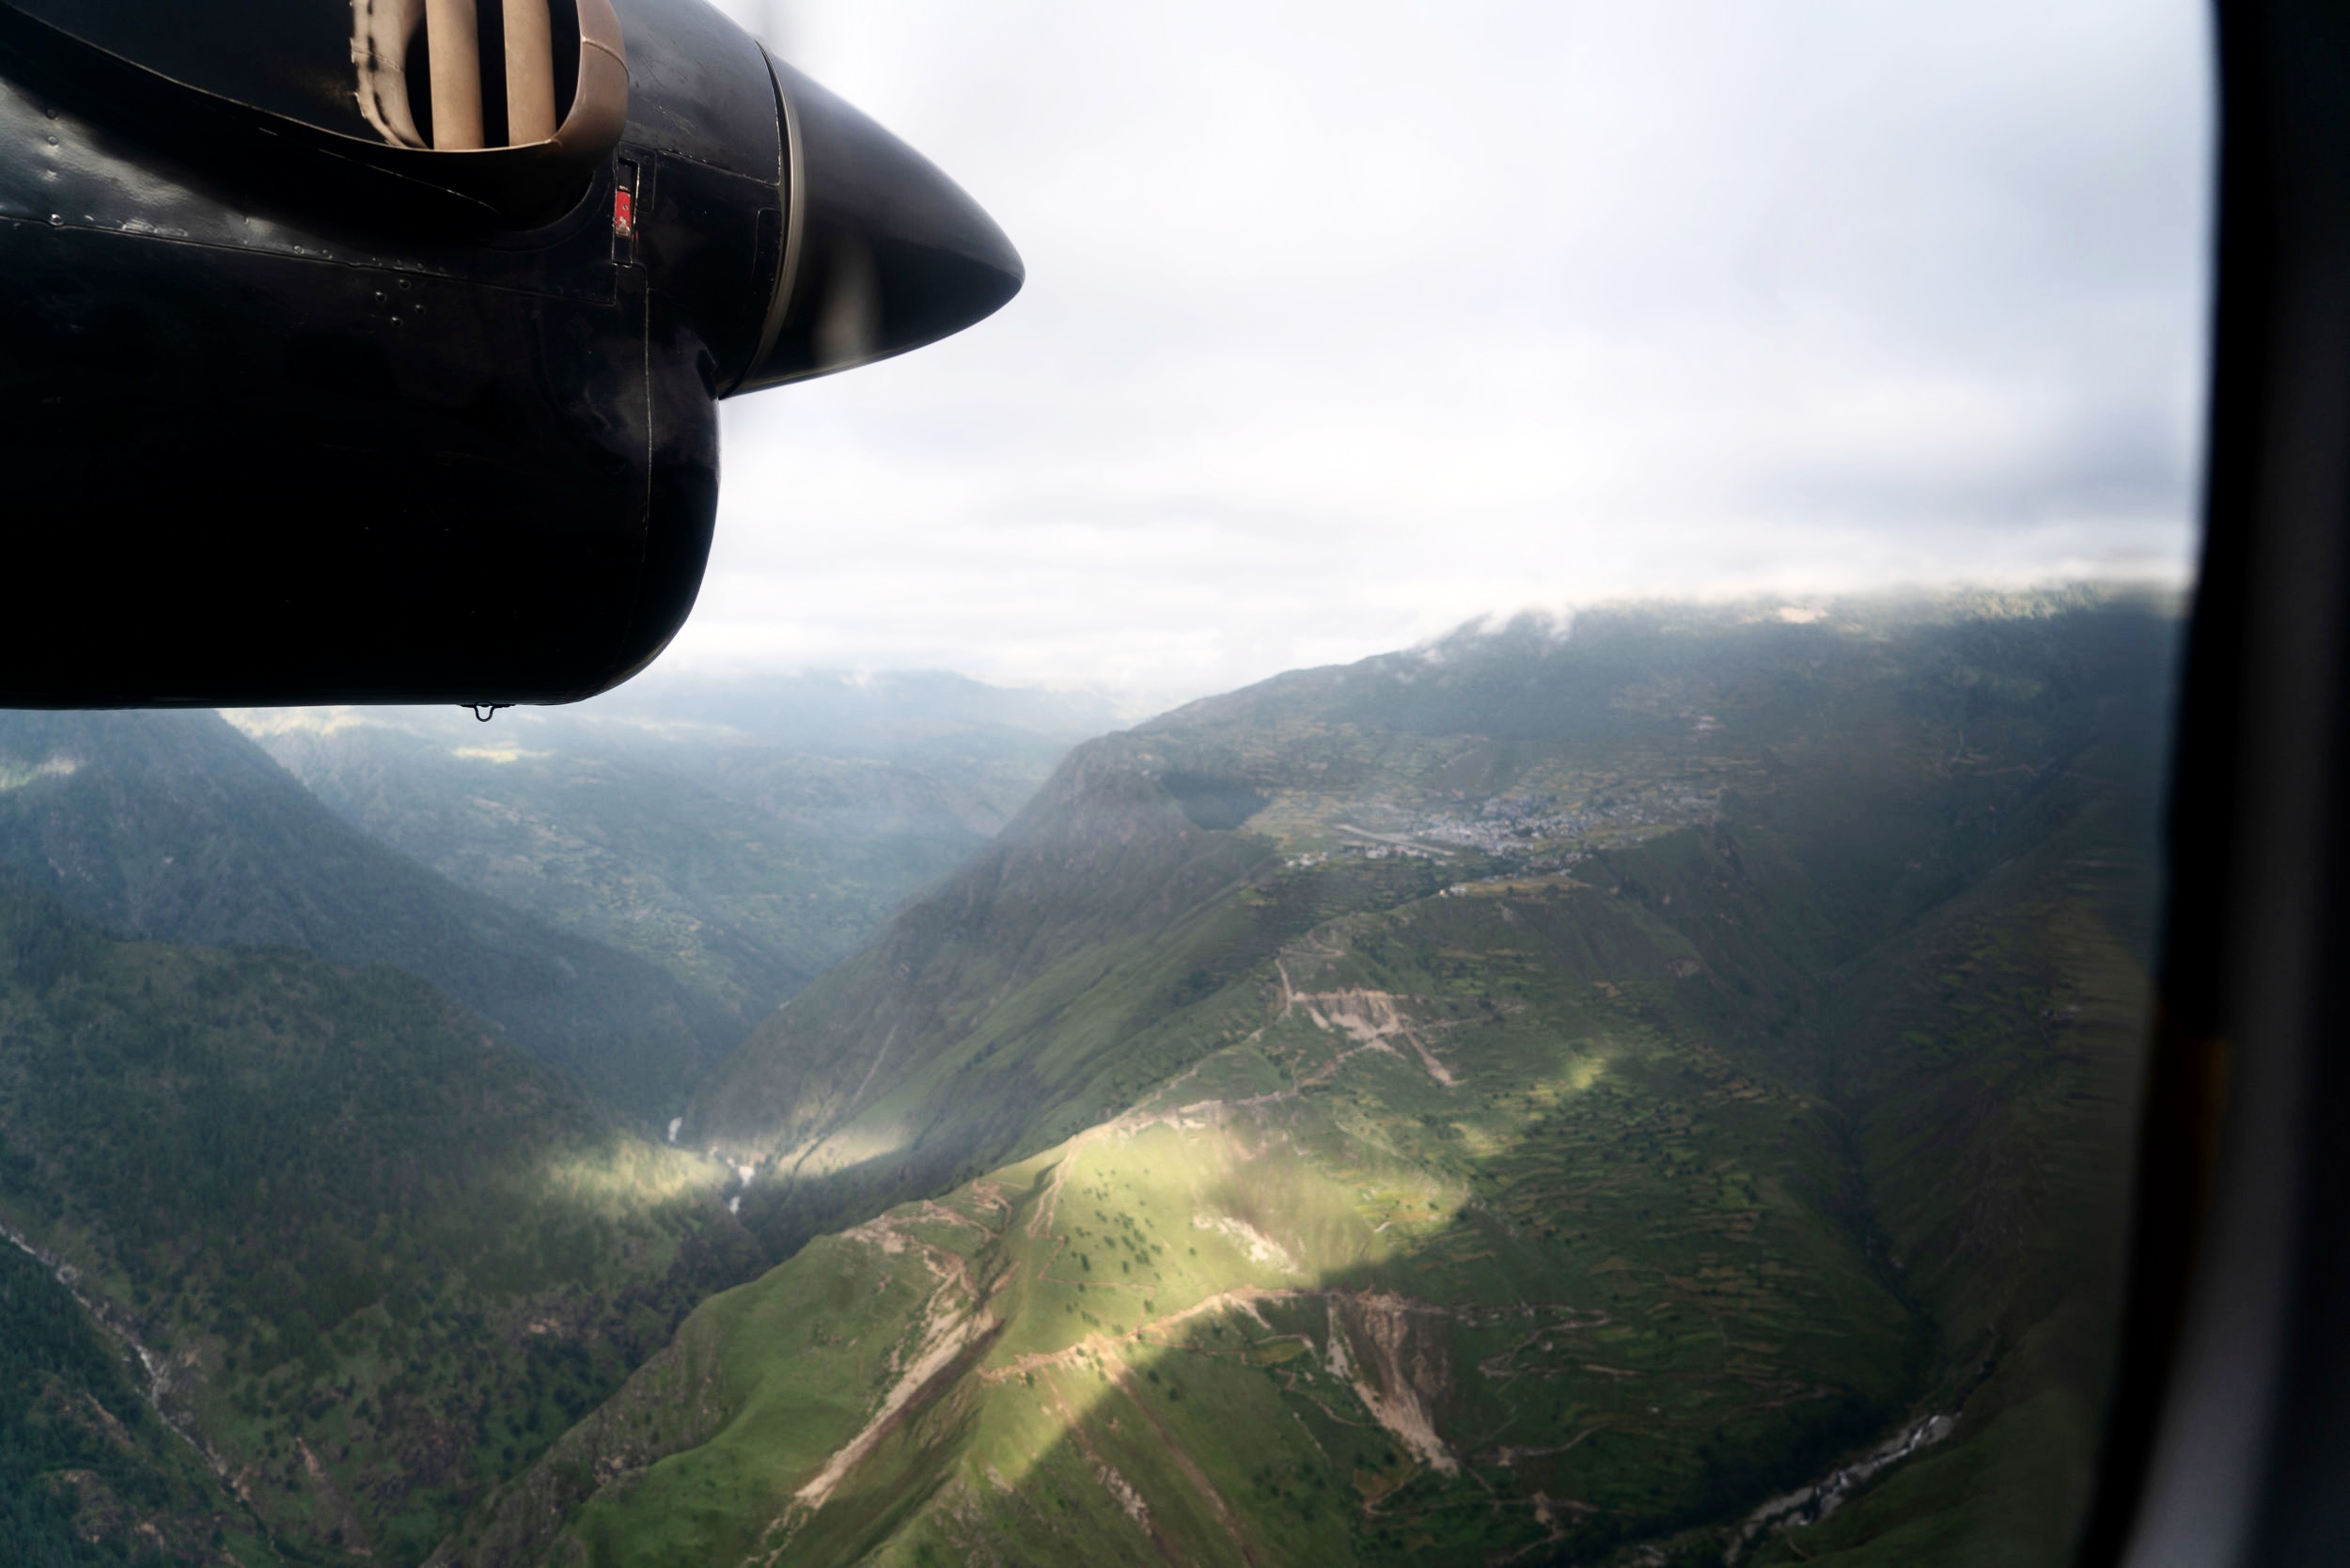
[[89, 1473], [378, 1257], [1092, 949], [1055, 972], [1989, 1058], [1543, 1099], [171, 825], [1423, 1241]]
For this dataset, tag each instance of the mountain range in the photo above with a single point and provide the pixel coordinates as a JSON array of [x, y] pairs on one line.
[[1648, 1089]]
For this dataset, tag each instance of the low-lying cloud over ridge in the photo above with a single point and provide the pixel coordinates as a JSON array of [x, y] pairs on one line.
[[1345, 324]]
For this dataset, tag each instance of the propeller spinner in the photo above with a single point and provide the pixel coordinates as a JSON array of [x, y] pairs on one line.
[[370, 352]]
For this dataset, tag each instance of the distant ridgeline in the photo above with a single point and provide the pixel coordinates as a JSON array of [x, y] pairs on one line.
[[741, 836], [1659, 1092], [1593, 1098], [173, 827]]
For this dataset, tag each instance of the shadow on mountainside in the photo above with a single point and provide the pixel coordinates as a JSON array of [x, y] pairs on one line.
[[1632, 1171], [1645, 1284]]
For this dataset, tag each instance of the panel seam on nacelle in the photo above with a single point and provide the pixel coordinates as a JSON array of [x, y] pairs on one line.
[[273, 254], [794, 226]]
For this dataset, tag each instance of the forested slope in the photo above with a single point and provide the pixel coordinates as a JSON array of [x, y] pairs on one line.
[[90, 1474], [171, 825], [380, 1255]]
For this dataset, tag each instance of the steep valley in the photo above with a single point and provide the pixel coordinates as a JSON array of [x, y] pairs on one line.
[[1560, 1095], [742, 836], [1539, 1099], [172, 828], [304, 1249]]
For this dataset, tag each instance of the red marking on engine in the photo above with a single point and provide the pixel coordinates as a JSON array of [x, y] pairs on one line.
[[623, 212]]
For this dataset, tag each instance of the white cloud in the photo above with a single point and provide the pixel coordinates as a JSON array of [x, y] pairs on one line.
[[1345, 322]]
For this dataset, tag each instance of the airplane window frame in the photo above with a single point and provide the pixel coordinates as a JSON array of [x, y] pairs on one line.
[[2227, 1438]]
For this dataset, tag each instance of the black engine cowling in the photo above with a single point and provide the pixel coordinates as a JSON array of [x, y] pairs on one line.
[[301, 407]]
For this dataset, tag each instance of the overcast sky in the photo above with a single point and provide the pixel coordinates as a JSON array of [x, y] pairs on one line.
[[1345, 324]]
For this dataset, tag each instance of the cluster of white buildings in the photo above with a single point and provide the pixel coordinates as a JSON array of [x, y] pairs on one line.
[[1528, 831]]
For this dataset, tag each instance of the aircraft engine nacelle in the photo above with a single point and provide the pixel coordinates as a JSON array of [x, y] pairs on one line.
[[371, 353]]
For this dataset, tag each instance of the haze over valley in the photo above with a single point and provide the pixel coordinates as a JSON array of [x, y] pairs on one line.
[[1085, 1011], [1648, 1086]]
